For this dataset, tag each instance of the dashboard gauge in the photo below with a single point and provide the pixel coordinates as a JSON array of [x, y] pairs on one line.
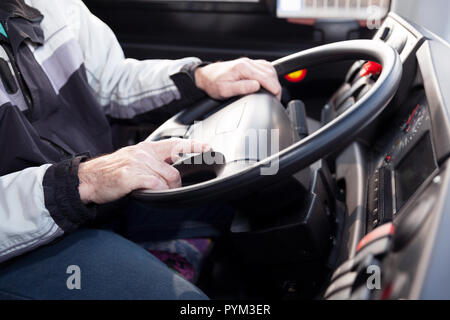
[[407, 162]]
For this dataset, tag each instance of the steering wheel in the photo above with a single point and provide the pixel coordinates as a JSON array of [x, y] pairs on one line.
[[228, 129]]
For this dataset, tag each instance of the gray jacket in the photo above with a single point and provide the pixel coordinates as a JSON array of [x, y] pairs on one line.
[[78, 76]]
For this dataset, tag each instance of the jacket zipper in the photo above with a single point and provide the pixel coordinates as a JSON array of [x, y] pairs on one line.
[[20, 80], [27, 95]]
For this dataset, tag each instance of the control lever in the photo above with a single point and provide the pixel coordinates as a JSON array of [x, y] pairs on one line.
[[200, 167], [297, 114]]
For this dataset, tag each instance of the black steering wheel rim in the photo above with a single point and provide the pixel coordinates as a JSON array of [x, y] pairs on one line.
[[330, 138]]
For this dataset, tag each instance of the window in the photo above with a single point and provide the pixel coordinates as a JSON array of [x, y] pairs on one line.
[[250, 1], [343, 9]]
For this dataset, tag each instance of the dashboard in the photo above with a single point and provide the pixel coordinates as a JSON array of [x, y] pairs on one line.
[[401, 152], [395, 197], [402, 165]]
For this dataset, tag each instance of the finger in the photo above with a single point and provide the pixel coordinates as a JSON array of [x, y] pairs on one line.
[[240, 88], [269, 82], [272, 69], [169, 150], [276, 89], [269, 69], [150, 182], [170, 175], [266, 66], [265, 63], [146, 162], [154, 183], [271, 74]]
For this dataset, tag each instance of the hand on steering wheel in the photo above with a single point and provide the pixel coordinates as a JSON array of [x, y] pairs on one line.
[[146, 165], [239, 77]]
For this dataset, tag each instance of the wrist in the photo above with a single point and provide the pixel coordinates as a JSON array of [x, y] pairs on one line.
[[62, 196], [198, 75], [199, 78], [186, 82], [84, 187]]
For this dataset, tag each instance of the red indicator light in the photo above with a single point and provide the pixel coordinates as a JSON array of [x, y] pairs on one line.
[[388, 159], [378, 233], [296, 76], [371, 68]]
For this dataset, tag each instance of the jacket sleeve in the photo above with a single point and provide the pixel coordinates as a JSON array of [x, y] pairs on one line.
[[128, 87], [39, 204], [25, 223]]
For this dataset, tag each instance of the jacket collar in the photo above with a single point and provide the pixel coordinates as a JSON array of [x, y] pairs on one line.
[[18, 8], [21, 22]]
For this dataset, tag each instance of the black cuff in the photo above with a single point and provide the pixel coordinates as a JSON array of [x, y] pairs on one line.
[[62, 198], [185, 82]]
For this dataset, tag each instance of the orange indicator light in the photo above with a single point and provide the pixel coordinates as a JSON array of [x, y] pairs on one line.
[[296, 76]]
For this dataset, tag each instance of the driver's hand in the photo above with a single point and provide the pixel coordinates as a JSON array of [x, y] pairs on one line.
[[143, 166], [224, 80]]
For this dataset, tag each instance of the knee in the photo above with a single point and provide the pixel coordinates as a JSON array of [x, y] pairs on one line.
[[114, 267], [109, 266]]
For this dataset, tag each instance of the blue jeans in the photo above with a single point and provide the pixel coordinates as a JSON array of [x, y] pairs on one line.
[[111, 266]]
